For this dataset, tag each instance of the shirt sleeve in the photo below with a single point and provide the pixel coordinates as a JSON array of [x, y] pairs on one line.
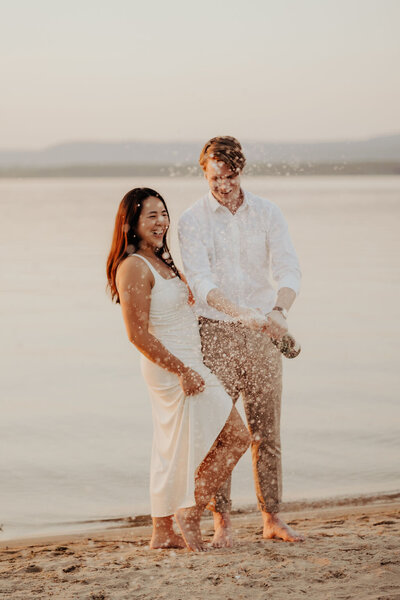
[[196, 263], [284, 262]]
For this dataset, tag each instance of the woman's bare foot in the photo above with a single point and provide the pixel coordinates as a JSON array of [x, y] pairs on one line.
[[164, 535], [274, 527], [188, 520], [171, 541], [223, 537]]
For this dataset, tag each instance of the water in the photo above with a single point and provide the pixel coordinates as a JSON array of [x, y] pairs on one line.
[[75, 430]]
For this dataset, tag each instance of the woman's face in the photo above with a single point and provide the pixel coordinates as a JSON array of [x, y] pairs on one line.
[[153, 224]]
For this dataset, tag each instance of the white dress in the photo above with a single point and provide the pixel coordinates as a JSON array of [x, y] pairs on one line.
[[185, 428]]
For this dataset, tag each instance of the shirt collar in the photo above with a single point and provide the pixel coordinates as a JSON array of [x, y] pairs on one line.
[[215, 205]]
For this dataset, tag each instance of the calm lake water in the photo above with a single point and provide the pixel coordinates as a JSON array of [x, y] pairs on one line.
[[75, 421]]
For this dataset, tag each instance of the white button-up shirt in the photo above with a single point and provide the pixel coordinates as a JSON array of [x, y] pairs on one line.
[[240, 254]]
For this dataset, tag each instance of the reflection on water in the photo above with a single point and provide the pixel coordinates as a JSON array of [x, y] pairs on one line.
[[75, 425]]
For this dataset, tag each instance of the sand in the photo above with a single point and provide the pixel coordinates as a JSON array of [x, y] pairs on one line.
[[351, 551]]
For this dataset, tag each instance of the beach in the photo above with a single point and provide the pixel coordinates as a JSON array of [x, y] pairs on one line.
[[351, 550], [101, 98], [76, 425]]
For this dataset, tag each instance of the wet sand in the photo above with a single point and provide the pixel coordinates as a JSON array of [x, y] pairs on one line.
[[352, 550]]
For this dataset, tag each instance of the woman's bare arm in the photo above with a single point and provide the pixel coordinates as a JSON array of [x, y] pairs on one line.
[[134, 283]]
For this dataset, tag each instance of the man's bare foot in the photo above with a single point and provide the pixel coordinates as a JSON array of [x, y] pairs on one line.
[[188, 520], [274, 527], [164, 535], [223, 537]]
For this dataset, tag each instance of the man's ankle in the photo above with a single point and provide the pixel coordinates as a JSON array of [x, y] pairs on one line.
[[270, 517]]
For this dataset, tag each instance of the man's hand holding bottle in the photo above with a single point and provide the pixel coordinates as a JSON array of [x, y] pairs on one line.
[[274, 324]]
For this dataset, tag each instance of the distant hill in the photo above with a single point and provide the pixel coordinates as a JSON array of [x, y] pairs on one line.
[[377, 149], [375, 156], [254, 169]]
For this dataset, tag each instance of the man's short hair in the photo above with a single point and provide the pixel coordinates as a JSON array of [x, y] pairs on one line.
[[225, 148]]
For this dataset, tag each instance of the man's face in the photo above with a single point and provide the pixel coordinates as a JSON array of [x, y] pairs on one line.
[[224, 183]]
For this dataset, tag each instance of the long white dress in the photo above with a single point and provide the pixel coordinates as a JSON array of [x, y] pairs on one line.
[[185, 427]]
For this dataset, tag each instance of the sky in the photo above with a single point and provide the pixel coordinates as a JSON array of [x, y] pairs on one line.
[[178, 70]]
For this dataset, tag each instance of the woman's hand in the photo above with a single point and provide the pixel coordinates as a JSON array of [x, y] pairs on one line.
[[191, 382]]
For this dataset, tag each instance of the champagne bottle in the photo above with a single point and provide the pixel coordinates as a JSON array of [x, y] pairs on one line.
[[288, 346]]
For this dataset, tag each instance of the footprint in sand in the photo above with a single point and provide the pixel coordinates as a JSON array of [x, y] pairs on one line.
[[33, 569]]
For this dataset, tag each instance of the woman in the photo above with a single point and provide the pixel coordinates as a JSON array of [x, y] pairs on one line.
[[198, 435]]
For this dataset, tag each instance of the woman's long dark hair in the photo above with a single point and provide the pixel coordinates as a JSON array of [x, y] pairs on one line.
[[125, 239]]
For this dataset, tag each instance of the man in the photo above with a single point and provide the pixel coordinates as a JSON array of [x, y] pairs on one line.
[[230, 242]]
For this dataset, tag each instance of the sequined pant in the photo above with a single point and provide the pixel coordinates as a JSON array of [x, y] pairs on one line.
[[248, 364]]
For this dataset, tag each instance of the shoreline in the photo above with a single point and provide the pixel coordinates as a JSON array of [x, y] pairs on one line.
[[142, 521], [351, 551]]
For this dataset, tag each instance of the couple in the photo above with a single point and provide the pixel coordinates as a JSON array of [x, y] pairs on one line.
[[196, 369]]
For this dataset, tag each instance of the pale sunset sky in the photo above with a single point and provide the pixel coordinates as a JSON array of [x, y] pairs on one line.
[[270, 70]]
